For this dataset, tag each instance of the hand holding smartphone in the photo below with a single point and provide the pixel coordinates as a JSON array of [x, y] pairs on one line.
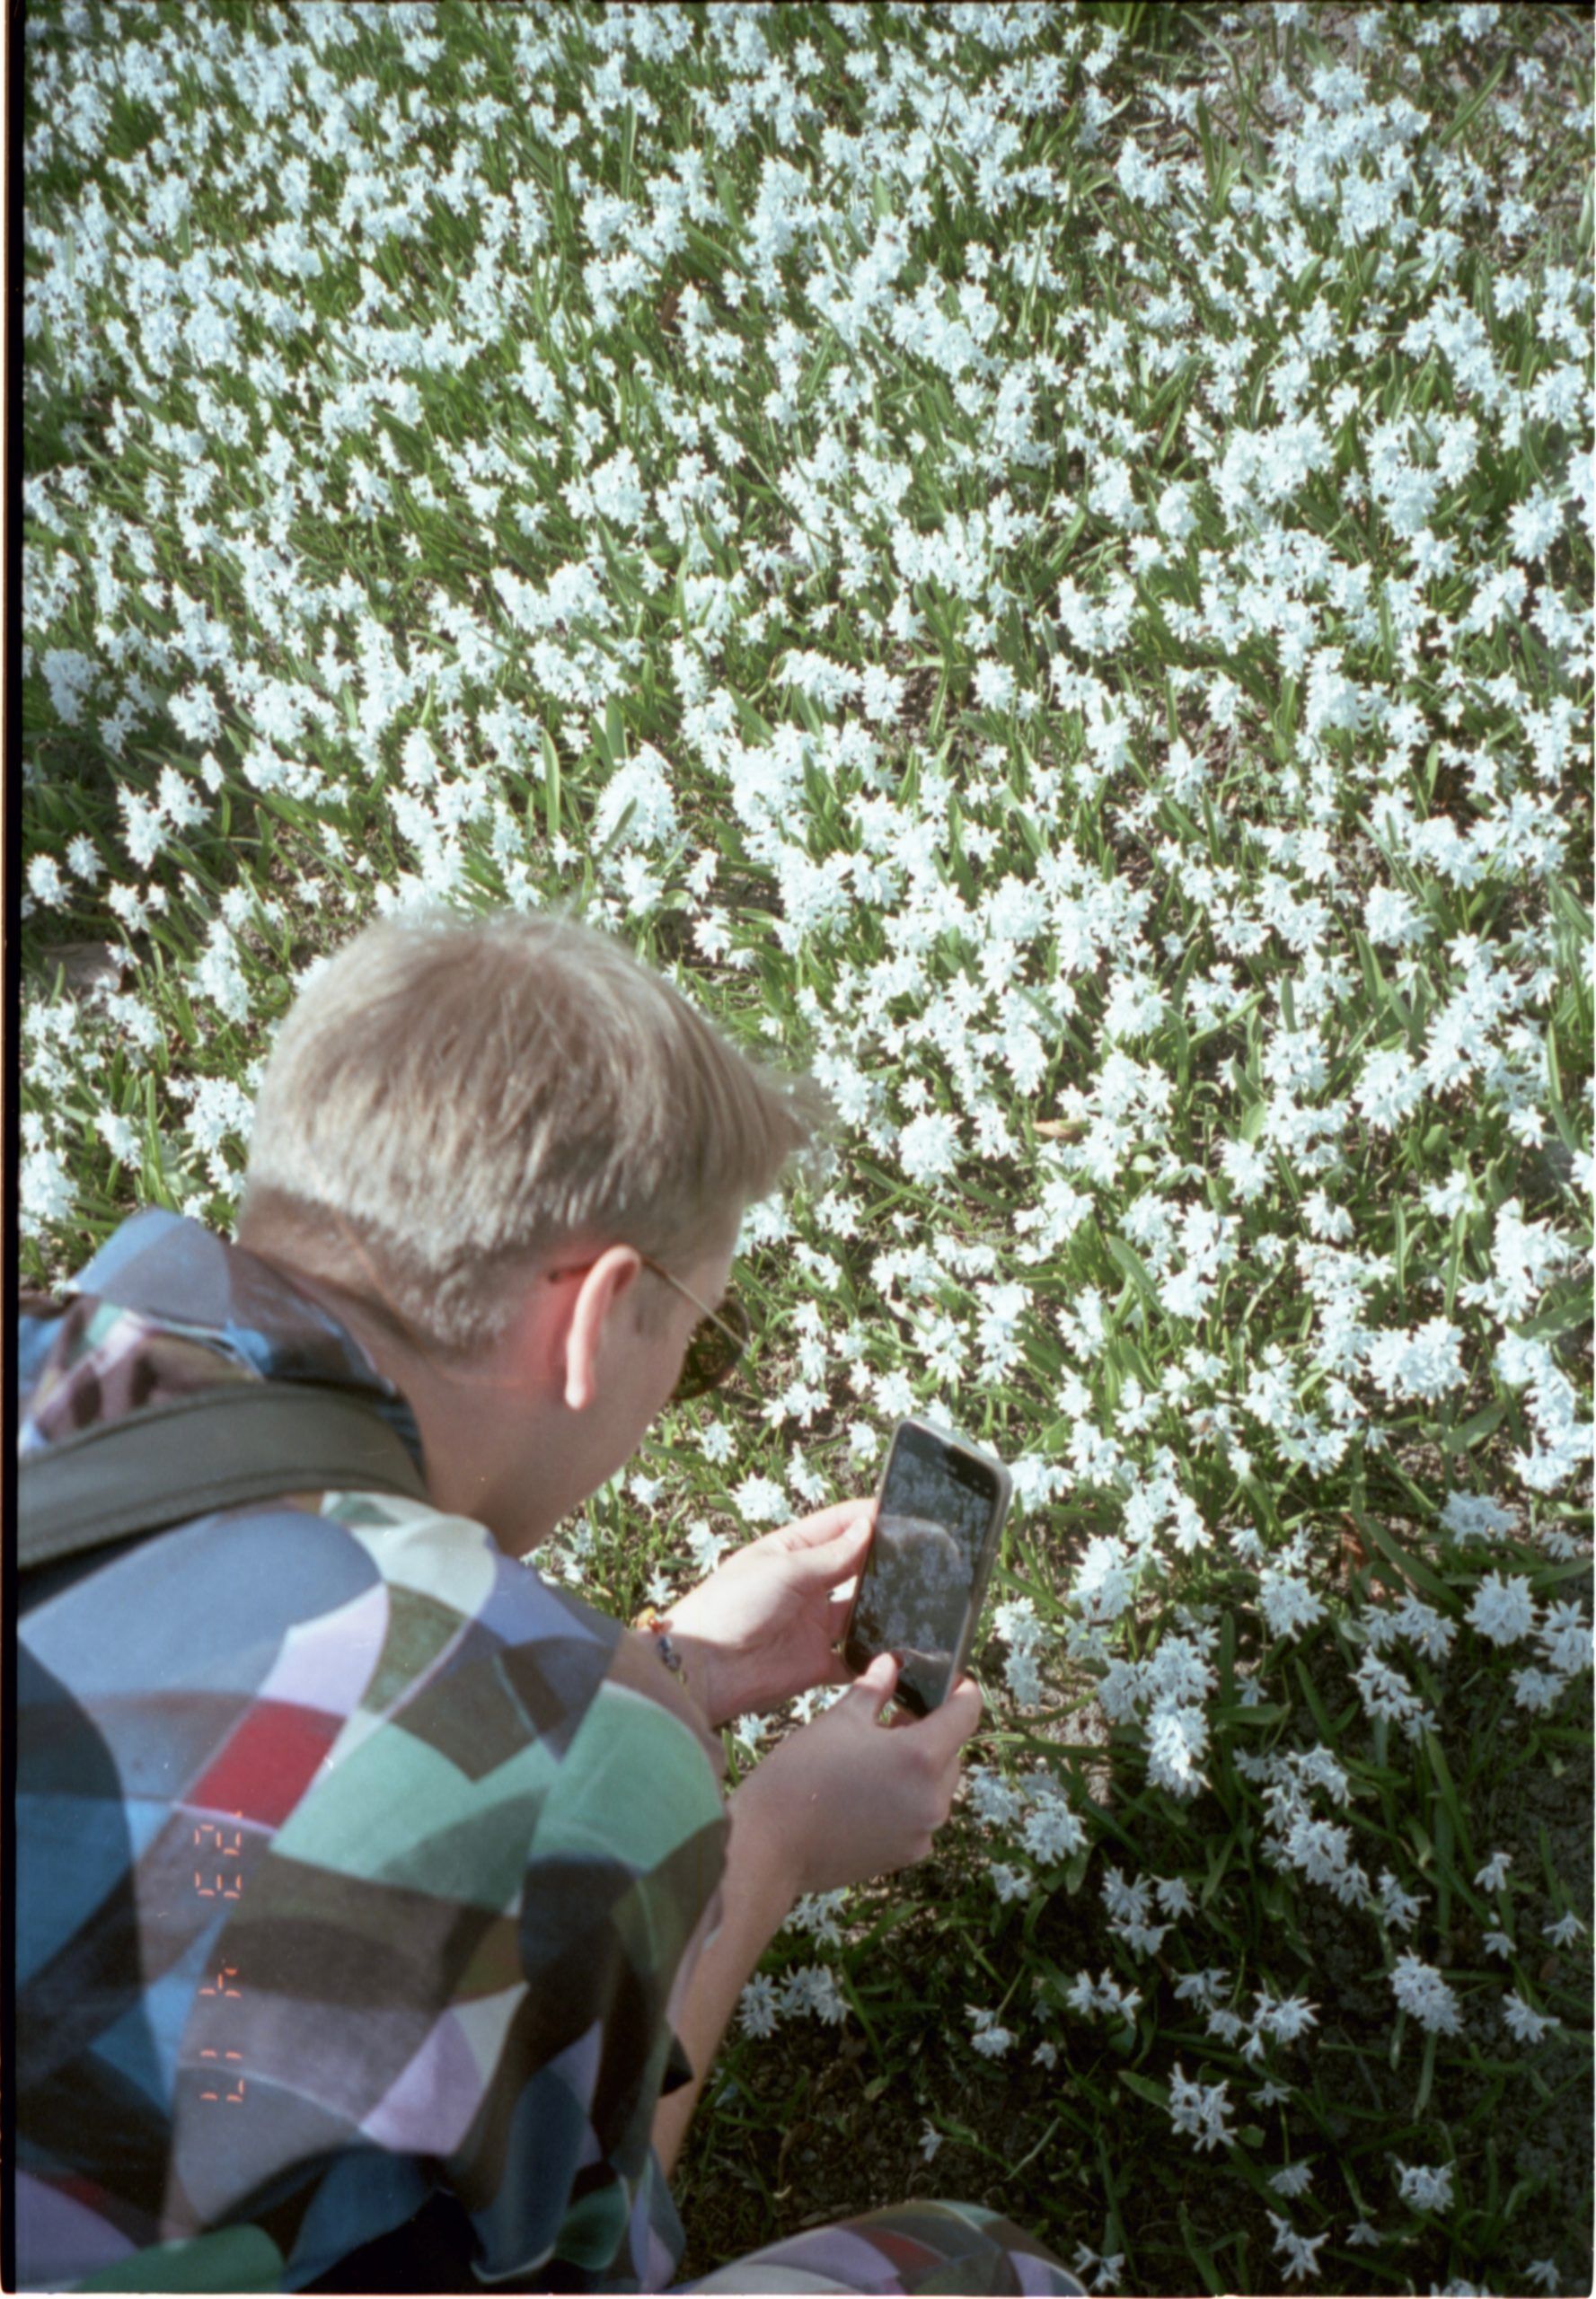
[[938, 1512]]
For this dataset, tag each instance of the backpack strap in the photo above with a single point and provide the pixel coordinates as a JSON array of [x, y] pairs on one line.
[[245, 1440]]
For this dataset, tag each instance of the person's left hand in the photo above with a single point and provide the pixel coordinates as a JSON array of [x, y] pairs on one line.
[[762, 1628]]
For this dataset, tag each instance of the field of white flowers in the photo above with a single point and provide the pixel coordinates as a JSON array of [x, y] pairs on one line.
[[1040, 558]]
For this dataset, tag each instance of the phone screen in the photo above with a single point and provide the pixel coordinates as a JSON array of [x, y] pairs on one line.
[[938, 1507]]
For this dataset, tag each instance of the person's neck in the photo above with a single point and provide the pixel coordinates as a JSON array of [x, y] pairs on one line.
[[467, 1438]]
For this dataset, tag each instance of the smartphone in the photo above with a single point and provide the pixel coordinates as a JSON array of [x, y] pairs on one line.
[[938, 1512]]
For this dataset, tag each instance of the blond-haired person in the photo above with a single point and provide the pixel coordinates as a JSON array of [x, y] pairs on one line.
[[379, 1905]]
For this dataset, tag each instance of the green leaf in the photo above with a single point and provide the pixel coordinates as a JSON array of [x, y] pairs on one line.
[[1130, 1264], [1316, 1706], [550, 784], [1474, 1431], [1157, 2095], [1427, 2074], [1208, 2267], [1411, 1567], [1468, 112], [1451, 1802]]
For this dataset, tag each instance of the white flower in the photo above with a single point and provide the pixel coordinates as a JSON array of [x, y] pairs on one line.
[[1287, 2020], [994, 685], [1425, 2188], [47, 1192], [1523, 2022], [704, 1545], [1177, 1735], [1087, 1996], [1299, 2251], [1502, 1609], [761, 1500], [1422, 1992], [996, 1800], [1200, 2111], [929, 1147], [931, 2139], [1424, 1363], [1564, 1635], [1493, 1874], [1384, 1693], [1533, 1689], [1471, 1517], [1201, 1987], [811, 1989], [1565, 1932], [757, 2010], [990, 2039], [1175, 515], [817, 1913], [637, 805], [881, 696], [1396, 1906], [69, 676], [119, 1134], [1052, 1832], [1534, 524], [1288, 1604], [44, 882], [1009, 1883], [715, 1442], [417, 759]]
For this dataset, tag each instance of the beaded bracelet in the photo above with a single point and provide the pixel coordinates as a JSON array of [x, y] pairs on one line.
[[657, 1624]]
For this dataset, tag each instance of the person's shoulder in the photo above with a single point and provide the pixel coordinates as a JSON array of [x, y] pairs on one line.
[[455, 1560], [461, 1607], [492, 1666]]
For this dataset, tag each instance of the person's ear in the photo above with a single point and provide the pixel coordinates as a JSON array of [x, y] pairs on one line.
[[597, 1298]]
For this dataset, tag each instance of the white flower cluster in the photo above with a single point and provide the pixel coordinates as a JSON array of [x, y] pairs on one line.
[[1427, 2187], [807, 1990], [1017, 1623], [1300, 2252], [1164, 1694], [1275, 2019], [1424, 1995], [989, 2037], [1033, 1810], [1202, 2111], [1102, 1998], [1130, 1908], [1297, 1836]]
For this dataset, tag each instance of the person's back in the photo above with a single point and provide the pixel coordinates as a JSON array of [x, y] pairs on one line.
[[314, 1892], [378, 1918]]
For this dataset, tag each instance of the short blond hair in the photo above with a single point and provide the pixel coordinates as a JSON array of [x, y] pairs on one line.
[[450, 1099]]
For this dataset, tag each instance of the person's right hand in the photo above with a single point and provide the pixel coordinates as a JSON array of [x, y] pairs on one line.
[[843, 1798]]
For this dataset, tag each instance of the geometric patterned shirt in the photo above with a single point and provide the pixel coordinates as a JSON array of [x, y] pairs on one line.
[[360, 1871]]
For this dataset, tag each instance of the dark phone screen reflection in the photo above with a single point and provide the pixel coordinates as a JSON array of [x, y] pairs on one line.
[[930, 1526]]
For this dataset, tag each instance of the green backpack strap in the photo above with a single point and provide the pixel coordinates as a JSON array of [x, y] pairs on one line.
[[245, 1440]]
